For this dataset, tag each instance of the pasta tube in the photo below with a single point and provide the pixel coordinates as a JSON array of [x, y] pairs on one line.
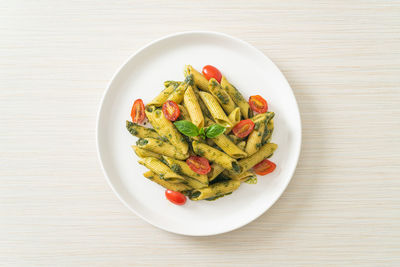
[[181, 167], [229, 147], [199, 80], [215, 190], [264, 152], [221, 95], [216, 156], [143, 153], [196, 115], [179, 187], [165, 173], [160, 147], [215, 109], [165, 128], [215, 171], [237, 97], [159, 100], [140, 131]]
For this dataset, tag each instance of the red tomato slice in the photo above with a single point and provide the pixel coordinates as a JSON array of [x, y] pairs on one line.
[[175, 197], [258, 104], [137, 113], [171, 110], [243, 128], [199, 165], [264, 167], [212, 72]]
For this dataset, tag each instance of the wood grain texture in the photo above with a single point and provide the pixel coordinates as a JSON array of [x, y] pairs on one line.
[[342, 59]]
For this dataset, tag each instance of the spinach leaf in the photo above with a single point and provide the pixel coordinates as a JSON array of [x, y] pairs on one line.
[[214, 130], [187, 128]]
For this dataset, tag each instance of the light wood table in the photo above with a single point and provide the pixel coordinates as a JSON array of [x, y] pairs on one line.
[[342, 59]]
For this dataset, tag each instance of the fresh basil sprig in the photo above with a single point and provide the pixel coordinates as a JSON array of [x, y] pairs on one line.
[[189, 129]]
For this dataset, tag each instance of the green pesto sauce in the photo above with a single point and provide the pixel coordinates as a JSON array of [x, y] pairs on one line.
[[223, 98], [195, 194], [176, 168], [200, 152], [141, 142], [235, 167], [189, 80]]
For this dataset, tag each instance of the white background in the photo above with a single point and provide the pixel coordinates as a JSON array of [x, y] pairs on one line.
[[342, 59]]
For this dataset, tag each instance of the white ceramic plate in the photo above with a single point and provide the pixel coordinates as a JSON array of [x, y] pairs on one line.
[[142, 76]]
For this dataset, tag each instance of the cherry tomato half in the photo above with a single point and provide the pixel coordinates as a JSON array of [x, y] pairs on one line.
[[258, 104], [243, 128], [171, 110], [264, 167], [175, 197], [199, 165], [212, 72], [137, 112]]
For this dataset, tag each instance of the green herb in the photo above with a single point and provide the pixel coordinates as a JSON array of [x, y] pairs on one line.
[[199, 152], [141, 142], [195, 194], [214, 83], [258, 145], [257, 126], [162, 176], [130, 126], [251, 180], [189, 79], [214, 130], [235, 167], [164, 138], [176, 168], [187, 128], [224, 100]]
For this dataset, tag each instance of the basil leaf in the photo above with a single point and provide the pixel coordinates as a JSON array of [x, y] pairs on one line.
[[187, 128], [214, 130]]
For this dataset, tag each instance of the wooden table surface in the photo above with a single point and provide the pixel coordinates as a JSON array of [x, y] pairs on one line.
[[342, 59]]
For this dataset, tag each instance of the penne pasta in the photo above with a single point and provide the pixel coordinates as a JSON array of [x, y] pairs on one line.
[[184, 113], [215, 109], [143, 153], [216, 156], [229, 147], [140, 131], [199, 80], [241, 145], [235, 116], [159, 100], [166, 129], [165, 173], [215, 190], [181, 167], [268, 132], [237, 97], [177, 94], [264, 152], [242, 177], [192, 104], [160, 147], [221, 95], [254, 141], [215, 171], [178, 187]]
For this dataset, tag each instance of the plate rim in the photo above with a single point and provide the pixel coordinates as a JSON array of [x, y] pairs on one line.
[[122, 66]]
